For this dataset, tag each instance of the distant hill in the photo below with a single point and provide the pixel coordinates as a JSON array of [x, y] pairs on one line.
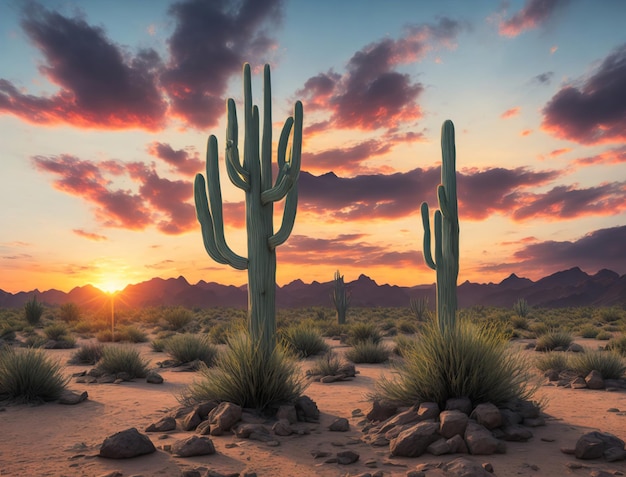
[[571, 287]]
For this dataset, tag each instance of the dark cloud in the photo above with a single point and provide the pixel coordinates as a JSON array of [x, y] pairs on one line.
[[160, 202], [211, 41], [377, 197], [602, 248], [568, 202], [372, 94], [595, 112], [100, 86], [534, 13], [544, 78], [181, 160], [346, 159]]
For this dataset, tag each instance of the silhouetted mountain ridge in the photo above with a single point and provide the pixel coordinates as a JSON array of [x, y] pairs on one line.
[[572, 287]]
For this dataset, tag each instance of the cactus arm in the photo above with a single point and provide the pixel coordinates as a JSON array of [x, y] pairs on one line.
[[237, 174], [266, 143], [438, 238], [289, 218], [428, 257], [206, 221], [215, 200]]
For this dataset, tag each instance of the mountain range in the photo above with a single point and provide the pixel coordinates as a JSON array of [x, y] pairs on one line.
[[566, 288]]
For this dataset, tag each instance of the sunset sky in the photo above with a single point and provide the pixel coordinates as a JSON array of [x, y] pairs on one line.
[[106, 107]]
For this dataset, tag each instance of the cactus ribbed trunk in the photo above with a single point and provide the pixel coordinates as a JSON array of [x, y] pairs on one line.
[[254, 177], [446, 232]]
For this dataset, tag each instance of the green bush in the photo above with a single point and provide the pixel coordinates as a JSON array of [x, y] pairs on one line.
[[187, 347], [618, 345], [608, 363], [331, 329], [89, 353], [364, 332], [589, 331], [467, 360], [158, 345], [303, 340], [178, 317], [56, 331], [122, 359], [132, 334], [247, 375], [552, 360], [33, 311], [610, 315], [519, 322], [407, 327], [402, 343], [35, 341], [368, 351], [604, 335], [328, 364], [28, 375], [69, 312], [553, 340]]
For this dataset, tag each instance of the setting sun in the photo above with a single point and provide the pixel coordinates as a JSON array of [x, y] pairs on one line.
[[110, 285]]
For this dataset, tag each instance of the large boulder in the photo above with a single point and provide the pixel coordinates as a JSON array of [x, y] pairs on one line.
[[593, 445], [126, 444], [452, 422], [224, 417], [414, 441]]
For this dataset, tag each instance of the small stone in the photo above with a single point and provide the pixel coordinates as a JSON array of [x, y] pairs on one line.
[[168, 423], [154, 378], [193, 446], [70, 397], [347, 457], [340, 424]]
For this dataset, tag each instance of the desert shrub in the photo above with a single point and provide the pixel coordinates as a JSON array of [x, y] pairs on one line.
[[589, 331], [402, 343], [28, 375], [407, 327], [521, 308], [331, 329], [368, 351], [552, 360], [604, 335], [35, 341], [33, 311], [328, 364], [303, 340], [219, 333], [519, 322], [56, 331], [539, 328], [554, 339], [364, 332], [89, 353], [82, 327], [618, 345], [69, 312], [132, 334], [178, 317], [122, 359], [158, 345], [247, 375], [608, 363], [187, 347], [610, 315], [7, 333], [105, 336], [466, 360]]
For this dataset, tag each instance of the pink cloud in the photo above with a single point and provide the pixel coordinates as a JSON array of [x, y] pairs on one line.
[[510, 113], [534, 13], [90, 235]]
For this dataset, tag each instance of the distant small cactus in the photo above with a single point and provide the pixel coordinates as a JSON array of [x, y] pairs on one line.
[[341, 298]]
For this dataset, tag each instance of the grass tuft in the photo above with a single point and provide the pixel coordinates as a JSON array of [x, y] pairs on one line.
[[89, 353], [368, 351], [552, 360], [247, 375], [187, 347], [29, 376], [608, 363], [122, 359], [554, 339], [328, 364], [304, 340], [364, 332]]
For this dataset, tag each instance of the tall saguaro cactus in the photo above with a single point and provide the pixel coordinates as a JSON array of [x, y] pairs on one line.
[[253, 175], [340, 297], [446, 232]]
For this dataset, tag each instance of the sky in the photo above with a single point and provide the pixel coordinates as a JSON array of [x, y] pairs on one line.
[[106, 108]]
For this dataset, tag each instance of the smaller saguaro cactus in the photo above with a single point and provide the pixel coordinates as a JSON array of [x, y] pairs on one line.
[[419, 307], [340, 297], [521, 308], [446, 232]]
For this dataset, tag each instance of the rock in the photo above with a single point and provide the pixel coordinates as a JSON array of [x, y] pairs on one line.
[[613, 454], [348, 370], [255, 432], [307, 410], [381, 411], [204, 428], [224, 417], [510, 418], [193, 446], [487, 415], [332, 378], [126, 444], [464, 467], [282, 427], [462, 404], [414, 441], [452, 422], [154, 378], [167, 423], [457, 445], [594, 380], [534, 421], [190, 421], [516, 433], [480, 441], [525, 409], [406, 417], [204, 408], [578, 383], [552, 375], [340, 424], [347, 457], [593, 444], [288, 412], [428, 410], [70, 397], [575, 348], [439, 447]]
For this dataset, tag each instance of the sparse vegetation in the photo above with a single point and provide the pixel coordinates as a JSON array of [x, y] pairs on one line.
[[33, 311], [249, 375], [187, 347], [521, 308], [177, 318], [29, 376], [618, 345], [554, 340], [122, 359], [89, 353], [368, 351], [609, 364], [364, 331], [304, 340], [552, 360], [328, 364], [69, 312]]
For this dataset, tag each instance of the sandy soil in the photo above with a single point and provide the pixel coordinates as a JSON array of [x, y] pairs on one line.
[[58, 440]]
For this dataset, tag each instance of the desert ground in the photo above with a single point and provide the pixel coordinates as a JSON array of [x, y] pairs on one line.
[[63, 440]]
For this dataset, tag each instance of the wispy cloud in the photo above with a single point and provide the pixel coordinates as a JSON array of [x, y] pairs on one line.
[[533, 14], [544, 78], [611, 156], [594, 112], [89, 235], [510, 113]]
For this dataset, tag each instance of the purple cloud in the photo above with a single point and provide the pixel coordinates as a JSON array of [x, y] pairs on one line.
[[534, 13]]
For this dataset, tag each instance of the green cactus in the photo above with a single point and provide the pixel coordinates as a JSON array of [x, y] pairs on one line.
[[446, 231], [340, 297], [254, 177]]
